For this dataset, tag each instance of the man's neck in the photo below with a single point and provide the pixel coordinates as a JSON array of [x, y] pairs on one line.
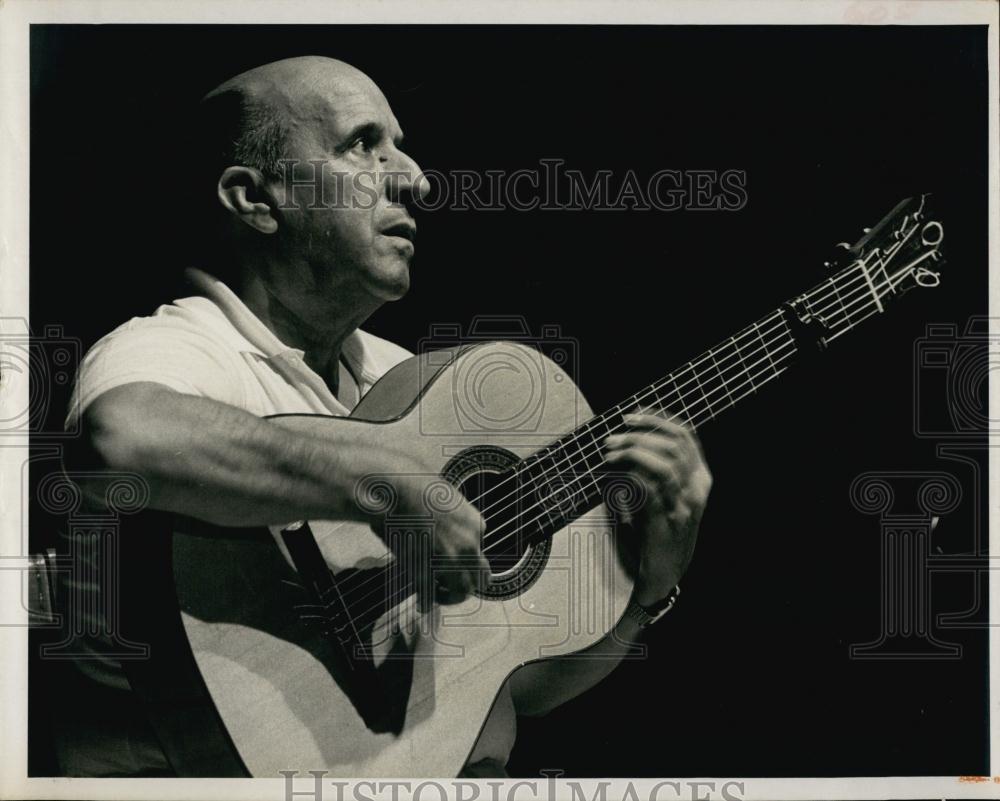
[[321, 346]]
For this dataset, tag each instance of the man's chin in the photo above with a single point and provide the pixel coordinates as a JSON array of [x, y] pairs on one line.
[[392, 286]]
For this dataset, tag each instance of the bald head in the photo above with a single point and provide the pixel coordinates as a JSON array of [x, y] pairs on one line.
[[249, 118], [307, 187], [285, 83]]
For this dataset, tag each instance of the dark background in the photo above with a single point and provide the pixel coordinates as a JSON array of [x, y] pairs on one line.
[[750, 674]]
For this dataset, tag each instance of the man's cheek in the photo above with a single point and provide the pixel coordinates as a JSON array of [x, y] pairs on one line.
[[366, 193]]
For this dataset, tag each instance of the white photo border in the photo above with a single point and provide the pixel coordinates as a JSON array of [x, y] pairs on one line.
[[16, 17]]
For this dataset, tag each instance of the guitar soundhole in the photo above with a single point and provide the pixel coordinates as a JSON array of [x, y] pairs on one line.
[[481, 474], [502, 544]]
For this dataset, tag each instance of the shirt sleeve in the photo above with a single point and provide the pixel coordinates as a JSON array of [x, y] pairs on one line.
[[146, 349]]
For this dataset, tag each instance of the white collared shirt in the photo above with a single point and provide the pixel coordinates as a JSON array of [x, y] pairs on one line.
[[213, 346]]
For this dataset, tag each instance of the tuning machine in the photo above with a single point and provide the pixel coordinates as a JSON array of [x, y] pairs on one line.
[[836, 260], [926, 277]]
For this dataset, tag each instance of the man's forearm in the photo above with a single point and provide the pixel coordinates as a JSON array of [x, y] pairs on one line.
[[218, 463], [541, 687]]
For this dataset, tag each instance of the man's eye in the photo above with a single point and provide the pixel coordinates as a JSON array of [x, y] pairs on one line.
[[361, 145]]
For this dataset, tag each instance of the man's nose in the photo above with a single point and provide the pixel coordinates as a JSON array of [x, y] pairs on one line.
[[405, 181]]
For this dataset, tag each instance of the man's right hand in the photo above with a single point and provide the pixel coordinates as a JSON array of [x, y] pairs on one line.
[[443, 560], [220, 464]]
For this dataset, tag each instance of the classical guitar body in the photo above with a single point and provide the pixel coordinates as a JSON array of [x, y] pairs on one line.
[[284, 692]]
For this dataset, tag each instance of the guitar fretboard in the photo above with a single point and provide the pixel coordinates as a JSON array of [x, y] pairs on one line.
[[564, 480]]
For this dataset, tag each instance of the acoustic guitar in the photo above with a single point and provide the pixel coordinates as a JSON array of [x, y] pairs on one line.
[[303, 648]]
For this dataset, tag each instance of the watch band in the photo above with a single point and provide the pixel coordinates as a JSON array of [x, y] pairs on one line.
[[646, 616]]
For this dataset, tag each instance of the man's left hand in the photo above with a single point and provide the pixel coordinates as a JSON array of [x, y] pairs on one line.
[[666, 459]]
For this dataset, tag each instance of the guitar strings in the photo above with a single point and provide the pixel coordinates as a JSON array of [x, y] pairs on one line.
[[829, 290], [406, 587], [588, 427], [882, 262], [764, 346], [658, 401], [827, 294], [703, 413], [588, 472], [697, 419]]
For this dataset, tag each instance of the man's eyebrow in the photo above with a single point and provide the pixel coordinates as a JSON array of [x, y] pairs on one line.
[[372, 131], [364, 130]]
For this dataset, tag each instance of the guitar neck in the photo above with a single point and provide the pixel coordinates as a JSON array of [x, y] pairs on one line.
[[566, 477]]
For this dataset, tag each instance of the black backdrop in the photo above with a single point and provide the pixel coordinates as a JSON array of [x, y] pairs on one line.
[[751, 674]]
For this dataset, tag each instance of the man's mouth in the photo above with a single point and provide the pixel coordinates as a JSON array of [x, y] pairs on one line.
[[404, 230]]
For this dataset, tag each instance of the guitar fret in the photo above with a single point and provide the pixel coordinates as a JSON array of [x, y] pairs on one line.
[[593, 450], [660, 402], [722, 378], [840, 300], [746, 369], [671, 398], [680, 398], [701, 389], [883, 263], [767, 351], [871, 287]]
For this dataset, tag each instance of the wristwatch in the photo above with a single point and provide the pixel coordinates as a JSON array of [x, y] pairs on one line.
[[646, 616]]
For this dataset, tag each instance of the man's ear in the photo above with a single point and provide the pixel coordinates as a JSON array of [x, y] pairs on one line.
[[240, 190]]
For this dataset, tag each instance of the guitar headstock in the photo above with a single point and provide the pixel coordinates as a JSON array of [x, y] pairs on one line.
[[904, 250], [901, 252]]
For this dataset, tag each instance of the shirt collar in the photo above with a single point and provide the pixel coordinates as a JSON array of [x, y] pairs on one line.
[[258, 336], [262, 340]]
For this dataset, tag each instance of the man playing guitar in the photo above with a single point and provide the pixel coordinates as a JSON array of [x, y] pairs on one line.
[[272, 327]]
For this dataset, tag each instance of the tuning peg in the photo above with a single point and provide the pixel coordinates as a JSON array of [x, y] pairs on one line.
[[927, 278]]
